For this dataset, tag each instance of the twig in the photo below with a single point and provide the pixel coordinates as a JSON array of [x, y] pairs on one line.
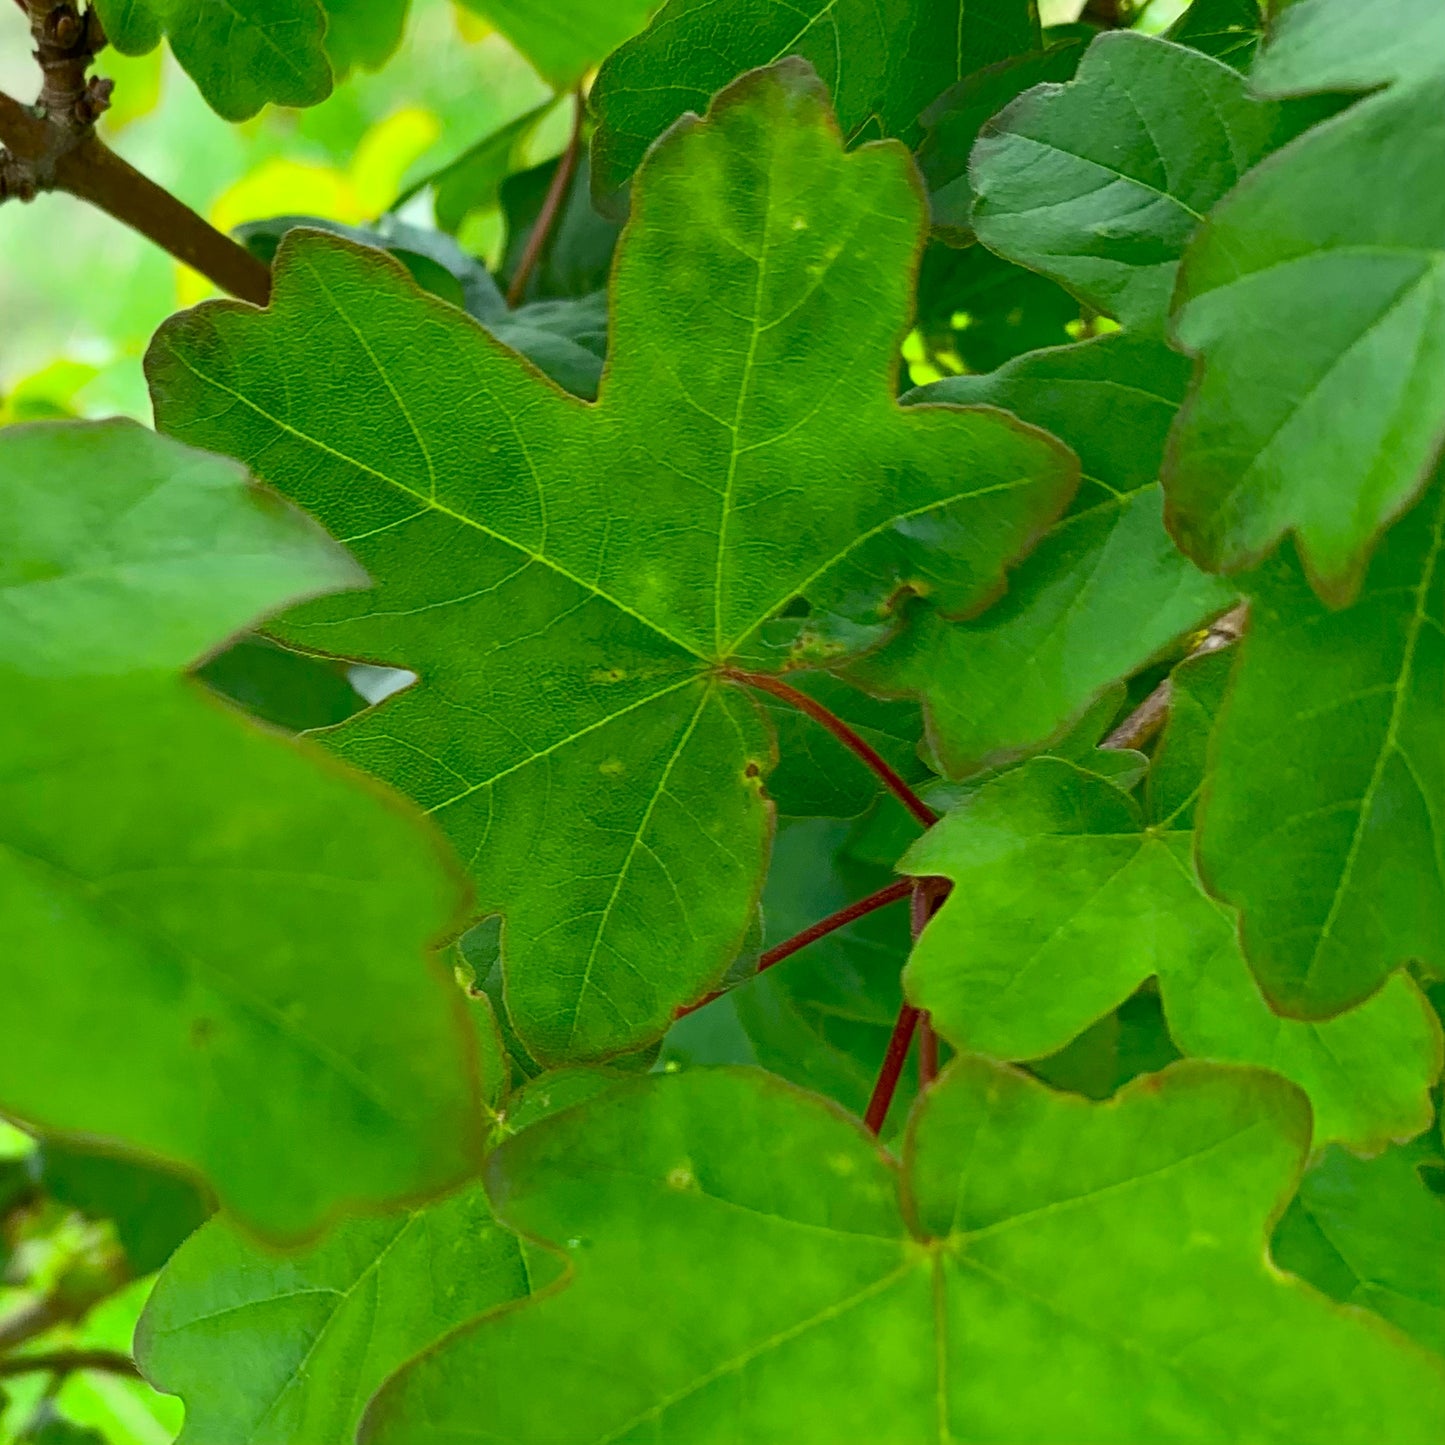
[[34, 1319], [928, 896], [1151, 714], [52, 146], [67, 1362], [845, 735], [96, 174], [551, 205], [834, 921]]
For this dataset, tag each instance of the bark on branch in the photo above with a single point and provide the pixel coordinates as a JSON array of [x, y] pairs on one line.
[[52, 146]]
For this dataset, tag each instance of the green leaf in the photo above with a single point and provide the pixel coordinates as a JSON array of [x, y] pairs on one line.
[[1331, 436], [987, 310], [320, 1330], [574, 730], [472, 180], [1324, 820], [1132, 1040], [954, 120], [1336, 45], [282, 687], [213, 940], [1048, 1269], [577, 257], [53, 1429], [1229, 30], [152, 1210], [1067, 897], [564, 39], [362, 34], [242, 54], [883, 61], [565, 339], [1368, 1232], [1104, 592], [816, 776], [1100, 183]]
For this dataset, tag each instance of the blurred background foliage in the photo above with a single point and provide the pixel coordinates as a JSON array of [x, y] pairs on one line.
[[80, 295]]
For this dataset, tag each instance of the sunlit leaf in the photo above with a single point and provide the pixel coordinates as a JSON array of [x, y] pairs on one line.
[[1054, 1270], [1067, 895], [574, 729], [1324, 819], [1331, 436], [213, 940]]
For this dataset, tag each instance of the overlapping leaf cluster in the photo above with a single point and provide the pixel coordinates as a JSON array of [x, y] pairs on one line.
[[954, 378]]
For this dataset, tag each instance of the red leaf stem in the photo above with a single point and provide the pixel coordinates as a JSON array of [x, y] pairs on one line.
[[888, 1075], [927, 1053], [869, 755], [815, 931], [552, 204]]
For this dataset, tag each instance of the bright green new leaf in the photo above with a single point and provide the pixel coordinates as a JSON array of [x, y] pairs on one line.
[[213, 940], [280, 1349], [241, 56], [1339, 45], [1229, 30], [1319, 419], [1048, 1269], [1105, 590], [572, 582], [1324, 818], [883, 60], [1100, 183], [564, 39], [1369, 1232], [1067, 896]]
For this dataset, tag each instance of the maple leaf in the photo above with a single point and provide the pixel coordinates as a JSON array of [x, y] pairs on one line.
[[578, 585]]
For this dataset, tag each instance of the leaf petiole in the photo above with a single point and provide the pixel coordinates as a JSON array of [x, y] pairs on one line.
[[861, 749], [844, 916]]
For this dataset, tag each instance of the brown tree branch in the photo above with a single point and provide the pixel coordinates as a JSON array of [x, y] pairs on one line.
[[52, 146], [928, 898], [888, 1076], [67, 1362], [1150, 716], [94, 173], [33, 1319]]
